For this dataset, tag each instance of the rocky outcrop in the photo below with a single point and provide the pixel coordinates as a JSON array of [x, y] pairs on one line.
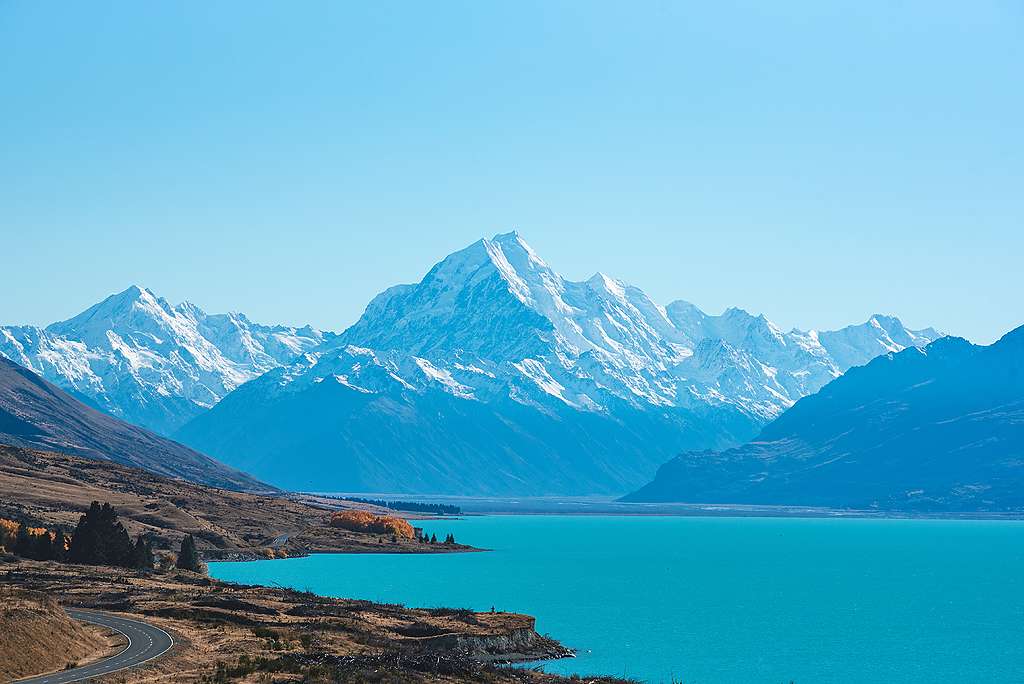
[[514, 645]]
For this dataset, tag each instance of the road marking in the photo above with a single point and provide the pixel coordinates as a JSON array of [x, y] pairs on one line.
[[120, 660]]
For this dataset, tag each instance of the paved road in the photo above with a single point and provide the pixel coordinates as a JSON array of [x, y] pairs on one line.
[[145, 642]]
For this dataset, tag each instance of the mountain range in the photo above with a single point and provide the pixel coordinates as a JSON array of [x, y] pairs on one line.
[[933, 429], [36, 414], [496, 375], [137, 357]]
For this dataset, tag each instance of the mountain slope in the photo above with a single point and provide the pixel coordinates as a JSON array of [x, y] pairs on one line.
[[934, 429], [496, 375], [136, 357], [36, 414]]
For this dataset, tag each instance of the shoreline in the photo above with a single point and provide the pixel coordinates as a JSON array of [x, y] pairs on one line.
[[826, 514], [283, 630], [246, 556], [680, 511], [609, 506]]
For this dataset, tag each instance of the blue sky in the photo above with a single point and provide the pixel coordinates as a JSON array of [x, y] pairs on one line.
[[814, 161]]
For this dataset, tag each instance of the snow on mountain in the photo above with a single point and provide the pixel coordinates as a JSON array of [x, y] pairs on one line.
[[497, 307], [492, 328], [939, 428], [137, 357]]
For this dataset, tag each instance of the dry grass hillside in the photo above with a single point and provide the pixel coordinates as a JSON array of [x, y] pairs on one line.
[[50, 489], [232, 633], [37, 414], [38, 636]]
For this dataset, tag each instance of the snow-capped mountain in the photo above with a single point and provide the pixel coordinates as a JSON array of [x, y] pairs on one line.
[[496, 374], [939, 428], [141, 359], [497, 307]]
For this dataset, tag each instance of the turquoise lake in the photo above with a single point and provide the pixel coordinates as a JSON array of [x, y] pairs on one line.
[[720, 600]]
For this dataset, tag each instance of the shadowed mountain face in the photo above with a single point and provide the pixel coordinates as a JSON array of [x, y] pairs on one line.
[[495, 375], [36, 414], [933, 429]]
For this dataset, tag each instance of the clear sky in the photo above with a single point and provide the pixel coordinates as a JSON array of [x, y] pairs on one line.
[[814, 161]]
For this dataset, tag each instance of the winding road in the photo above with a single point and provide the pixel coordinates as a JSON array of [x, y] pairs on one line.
[[145, 642]]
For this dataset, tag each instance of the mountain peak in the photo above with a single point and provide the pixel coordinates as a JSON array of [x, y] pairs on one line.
[[509, 237], [603, 282], [114, 309], [133, 293], [516, 251], [886, 322], [140, 358]]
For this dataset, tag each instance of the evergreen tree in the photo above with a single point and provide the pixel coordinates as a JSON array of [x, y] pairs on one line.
[[188, 556], [58, 549], [99, 539], [142, 554], [433, 539], [23, 545], [42, 547]]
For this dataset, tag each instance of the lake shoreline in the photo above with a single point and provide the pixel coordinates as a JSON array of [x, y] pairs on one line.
[[828, 514], [610, 506], [662, 596], [264, 628]]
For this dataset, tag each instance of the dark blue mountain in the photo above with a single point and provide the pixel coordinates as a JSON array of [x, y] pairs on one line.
[[35, 414], [933, 429]]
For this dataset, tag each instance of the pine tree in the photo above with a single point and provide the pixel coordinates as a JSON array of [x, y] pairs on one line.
[[188, 556], [42, 547], [23, 545], [433, 539], [118, 543], [142, 554], [59, 547], [99, 539]]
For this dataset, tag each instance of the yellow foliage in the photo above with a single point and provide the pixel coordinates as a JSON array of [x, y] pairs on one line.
[[364, 521], [8, 532]]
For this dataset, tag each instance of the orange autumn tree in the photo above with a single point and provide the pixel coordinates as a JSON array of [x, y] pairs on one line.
[[364, 521], [8, 533]]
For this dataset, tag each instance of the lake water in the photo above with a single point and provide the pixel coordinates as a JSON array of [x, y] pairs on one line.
[[720, 600]]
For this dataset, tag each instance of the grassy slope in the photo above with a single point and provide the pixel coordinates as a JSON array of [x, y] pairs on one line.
[[55, 489]]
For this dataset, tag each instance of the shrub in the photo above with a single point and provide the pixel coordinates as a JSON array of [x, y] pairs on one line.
[[364, 521]]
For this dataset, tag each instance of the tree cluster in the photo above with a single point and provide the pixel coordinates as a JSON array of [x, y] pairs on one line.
[[364, 521], [409, 506], [99, 539], [432, 539], [37, 543]]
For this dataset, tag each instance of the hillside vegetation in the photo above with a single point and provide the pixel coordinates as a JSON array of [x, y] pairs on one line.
[[39, 637], [46, 489]]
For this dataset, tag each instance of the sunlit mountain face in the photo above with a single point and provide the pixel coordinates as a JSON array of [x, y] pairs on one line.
[[494, 374]]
